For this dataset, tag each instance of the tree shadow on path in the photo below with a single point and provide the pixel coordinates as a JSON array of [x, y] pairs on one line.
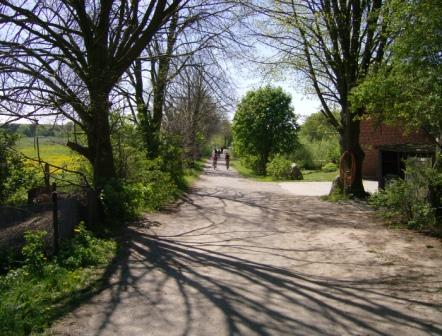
[[217, 267], [260, 299]]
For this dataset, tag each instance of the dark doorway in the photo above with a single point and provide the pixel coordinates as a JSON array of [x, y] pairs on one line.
[[392, 160]]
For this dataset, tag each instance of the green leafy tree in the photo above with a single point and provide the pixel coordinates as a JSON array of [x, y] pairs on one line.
[[264, 125], [331, 44], [317, 127], [67, 57], [409, 85], [319, 142]]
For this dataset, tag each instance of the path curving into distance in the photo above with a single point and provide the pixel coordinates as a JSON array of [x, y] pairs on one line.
[[239, 257]]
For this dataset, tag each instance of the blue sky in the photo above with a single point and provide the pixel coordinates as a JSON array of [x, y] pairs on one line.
[[248, 75]]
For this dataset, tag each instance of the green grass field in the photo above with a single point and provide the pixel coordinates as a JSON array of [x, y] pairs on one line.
[[309, 175], [52, 150]]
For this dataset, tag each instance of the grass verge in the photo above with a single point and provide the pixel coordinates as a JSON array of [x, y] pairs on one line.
[[192, 174], [319, 176], [247, 172], [34, 295], [309, 175]]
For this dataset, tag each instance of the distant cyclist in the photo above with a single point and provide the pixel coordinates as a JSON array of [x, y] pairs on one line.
[[214, 160], [227, 158]]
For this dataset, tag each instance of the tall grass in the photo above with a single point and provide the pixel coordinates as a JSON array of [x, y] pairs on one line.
[[34, 295]]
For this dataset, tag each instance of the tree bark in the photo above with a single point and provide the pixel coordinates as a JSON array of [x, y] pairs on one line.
[[159, 83], [99, 140], [350, 142]]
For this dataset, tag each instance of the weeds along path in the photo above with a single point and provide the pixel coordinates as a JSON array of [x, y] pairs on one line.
[[239, 257]]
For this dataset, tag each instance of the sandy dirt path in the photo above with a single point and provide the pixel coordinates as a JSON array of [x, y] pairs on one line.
[[239, 257]]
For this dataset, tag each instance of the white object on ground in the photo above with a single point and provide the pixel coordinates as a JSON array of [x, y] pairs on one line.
[[319, 188]]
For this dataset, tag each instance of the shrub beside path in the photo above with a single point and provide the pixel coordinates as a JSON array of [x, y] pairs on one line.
[[239, 257]]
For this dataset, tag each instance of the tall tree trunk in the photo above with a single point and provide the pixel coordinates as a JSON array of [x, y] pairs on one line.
[[262, 165], [159, 84], [99, 140], [159, 93], [350, 142]]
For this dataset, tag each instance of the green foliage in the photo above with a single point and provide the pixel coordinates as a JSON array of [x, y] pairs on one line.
[[144, 185], [252, 162], [264, 125], [150, 189], [243, 170], [329, 167], [317, 128], [15, 176], [279, 168], [409, 86], [43, 130], [84, 249], [314, 154], [412, 202], [192, 173], [31, 301], [34, 251], [303, 156], [130, 156], [171, 158], [319, 143], [120, 202], [159, 188], [336, 196]]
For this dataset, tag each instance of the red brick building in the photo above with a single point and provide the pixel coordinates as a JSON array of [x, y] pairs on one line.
[[387, 146]]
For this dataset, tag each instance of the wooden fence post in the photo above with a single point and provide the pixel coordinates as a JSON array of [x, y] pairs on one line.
[[55, 216], [47, 176]]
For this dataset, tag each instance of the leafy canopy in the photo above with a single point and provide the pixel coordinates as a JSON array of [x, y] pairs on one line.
[[264, 124], [409, 86], [317, 127]]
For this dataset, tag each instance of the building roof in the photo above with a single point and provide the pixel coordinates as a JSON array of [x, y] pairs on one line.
[[408, 148]]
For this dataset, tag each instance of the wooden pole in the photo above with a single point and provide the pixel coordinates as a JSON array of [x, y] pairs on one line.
[[47, 177], [55, 216]]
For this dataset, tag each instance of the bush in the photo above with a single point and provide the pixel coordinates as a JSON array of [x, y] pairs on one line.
[[412, 201], [252, 162], [142, 184], [84, 249], [159, 190], [171, 159], [15, 176], [34, 251], [303, 157], [149, 190], [329, 167], [313, 154], [279, 168], [31, 300], [121, 201]]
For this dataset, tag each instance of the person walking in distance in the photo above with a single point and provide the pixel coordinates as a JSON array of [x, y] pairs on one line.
[[227, 158], [214, 160]]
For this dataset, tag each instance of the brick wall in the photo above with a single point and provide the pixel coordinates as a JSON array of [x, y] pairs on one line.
[[371, 136]]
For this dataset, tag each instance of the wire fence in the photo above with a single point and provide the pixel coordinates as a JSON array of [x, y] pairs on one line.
[[58, 216]]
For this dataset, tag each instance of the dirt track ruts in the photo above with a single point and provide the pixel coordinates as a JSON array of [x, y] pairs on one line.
[[239, 257]]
